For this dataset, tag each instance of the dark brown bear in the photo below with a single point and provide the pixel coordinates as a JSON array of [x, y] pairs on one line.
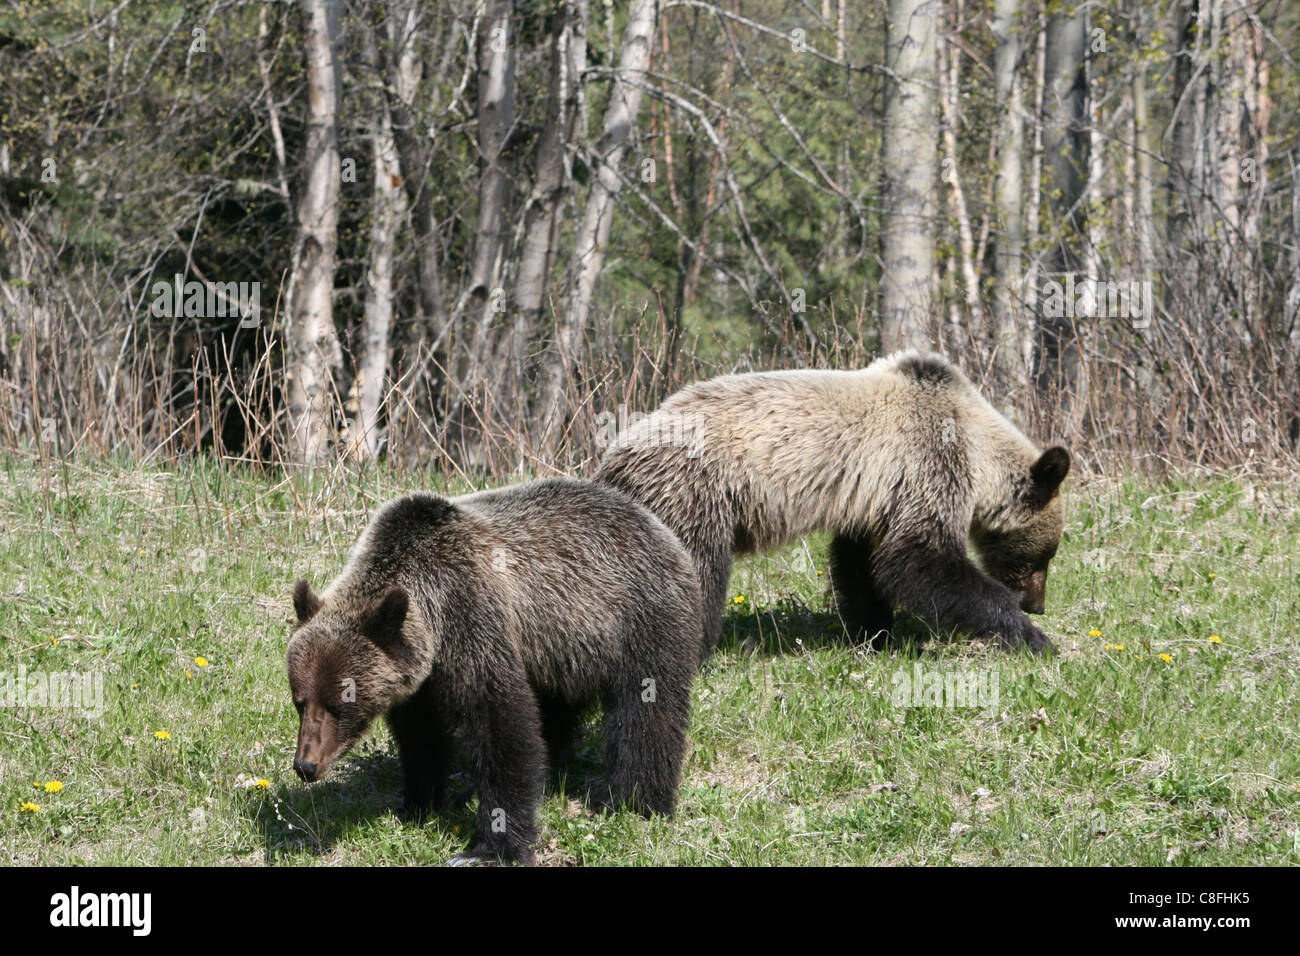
[[491, 622], [904, 461]]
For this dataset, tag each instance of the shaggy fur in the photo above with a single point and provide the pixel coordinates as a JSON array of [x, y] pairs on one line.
[[494, 620], [903, 460]]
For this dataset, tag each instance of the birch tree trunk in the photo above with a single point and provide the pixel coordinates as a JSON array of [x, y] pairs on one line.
[[1231, 257], [1255, 151], [496, 119], [1033, 211], [403, 70], [593, 234], [387, 212], [1065, 146], [1216, 172], [1187, 159], [551, 184], [1144, 214], [969, 340], [1238, 170], [1008, 295], [311, 342], [910, 140], [1143, 225]]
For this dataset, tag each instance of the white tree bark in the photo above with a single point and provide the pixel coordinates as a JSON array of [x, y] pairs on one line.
[[387, 212], [1238, 170], [1216, 174], [403, 71], [496, 119], [1008, 195], [312, 345], [970, 339], [1187, 155], [1143, 224], [551, 183], [910, 141], [1144, 213], [1065, 147], [593, 235]]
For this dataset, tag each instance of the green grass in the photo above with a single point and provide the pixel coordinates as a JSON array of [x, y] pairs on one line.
[[799, 753]]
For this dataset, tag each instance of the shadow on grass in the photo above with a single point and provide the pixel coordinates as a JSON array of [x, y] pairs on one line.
[[791, 626], [367, 786], [363, 787]]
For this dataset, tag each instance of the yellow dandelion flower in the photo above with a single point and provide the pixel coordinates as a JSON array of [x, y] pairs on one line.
[[142, 552], [1094, 633], [1213, 575], [135, 686], [162, 735], [263, 784], [54, 641], [738, 599], [1114, 647], [29, 807], [1167, 658], [53, 786], [1215, 639], [201, 661]]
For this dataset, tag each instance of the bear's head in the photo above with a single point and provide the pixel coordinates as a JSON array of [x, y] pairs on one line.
[[346, 667], [1016, 546]]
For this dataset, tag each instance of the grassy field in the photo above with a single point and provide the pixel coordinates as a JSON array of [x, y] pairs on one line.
[[1165, 732]]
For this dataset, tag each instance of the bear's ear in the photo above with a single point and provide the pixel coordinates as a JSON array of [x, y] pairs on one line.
[[383, 622], [1049, 471], [305, 601]]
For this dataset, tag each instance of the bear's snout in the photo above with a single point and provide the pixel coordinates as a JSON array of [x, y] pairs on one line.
[[319, 743], [1034, 595]]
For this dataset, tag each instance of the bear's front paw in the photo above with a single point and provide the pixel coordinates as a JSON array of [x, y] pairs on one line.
[[1039, 643], [483, 856]]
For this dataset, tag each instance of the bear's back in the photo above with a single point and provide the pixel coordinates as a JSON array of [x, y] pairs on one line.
[[906, 380], [584, 574], [787, 452], [578, 535]]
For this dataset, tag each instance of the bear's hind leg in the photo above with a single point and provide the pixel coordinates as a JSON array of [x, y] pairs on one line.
[[866, 613], [715, 575], [423, 747]]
